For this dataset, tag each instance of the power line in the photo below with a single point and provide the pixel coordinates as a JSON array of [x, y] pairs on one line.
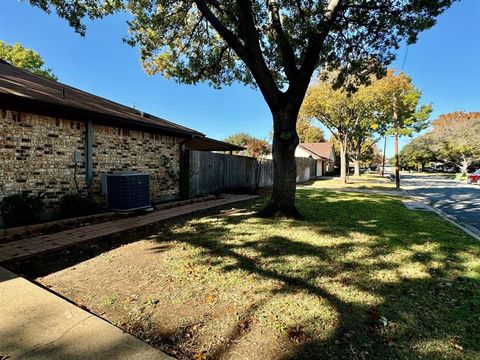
[[405, 58]]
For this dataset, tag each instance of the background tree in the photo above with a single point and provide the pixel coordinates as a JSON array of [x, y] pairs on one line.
[[367, 125], [24, 58], [336, 150], [400, 103], [456, 138], [255, 146], [333, 108], [352, 118], [240, 139], [309, 133], [275, 45], [258, 147], [419, 151], [370, 154]]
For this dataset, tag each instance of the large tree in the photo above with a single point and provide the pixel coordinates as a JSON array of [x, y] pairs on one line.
[[456, 138], [274, 44], [352, 118], [419, 151], [369, 122], [24, 58], [333, 108], [401, 104]]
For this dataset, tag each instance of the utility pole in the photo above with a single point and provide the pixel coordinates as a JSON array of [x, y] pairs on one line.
[[384, 150], [397, 157]]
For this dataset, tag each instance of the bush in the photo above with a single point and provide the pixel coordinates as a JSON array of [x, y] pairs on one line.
[[21, 209], [74, 205]]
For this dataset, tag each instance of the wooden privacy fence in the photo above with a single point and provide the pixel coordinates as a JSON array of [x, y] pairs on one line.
[[213, 173]]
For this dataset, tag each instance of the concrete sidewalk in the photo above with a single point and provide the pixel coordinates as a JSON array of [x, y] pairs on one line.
[[36, 324]]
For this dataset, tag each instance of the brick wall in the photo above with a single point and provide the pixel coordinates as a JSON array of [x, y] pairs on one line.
[[37, 155], [119, 150]]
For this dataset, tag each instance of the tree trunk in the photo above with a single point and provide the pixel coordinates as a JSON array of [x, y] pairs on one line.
[[423, 167], [356, 162], [356, 166], [466, 162], [343, 160], [285, 141]]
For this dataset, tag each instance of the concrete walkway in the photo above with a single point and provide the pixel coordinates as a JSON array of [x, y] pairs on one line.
[[36, 324], [51, 242]]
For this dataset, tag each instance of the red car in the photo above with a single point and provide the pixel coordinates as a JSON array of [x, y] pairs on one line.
[[474, 178]]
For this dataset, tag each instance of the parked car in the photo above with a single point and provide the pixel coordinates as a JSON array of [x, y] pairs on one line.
[[474, 178]]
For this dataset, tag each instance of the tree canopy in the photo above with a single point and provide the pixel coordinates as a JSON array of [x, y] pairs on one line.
[[255, 146], [247, 40], [400, 102], [24, 58], [419, 151], [456, 138], [308, 132], [240, 139], [276, 45], [352, 118], [453, 139]]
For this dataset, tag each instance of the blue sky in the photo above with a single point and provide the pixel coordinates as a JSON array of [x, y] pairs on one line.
[[444, 63]]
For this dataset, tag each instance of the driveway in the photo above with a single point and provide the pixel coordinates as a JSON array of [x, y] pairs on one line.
[[454, 198]]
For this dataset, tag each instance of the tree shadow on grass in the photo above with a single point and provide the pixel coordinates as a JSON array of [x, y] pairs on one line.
[[431, 314]]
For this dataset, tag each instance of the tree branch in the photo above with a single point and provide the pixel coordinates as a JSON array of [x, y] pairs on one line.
[[231, 39], [314, 47], [255, 59], [288, 55]]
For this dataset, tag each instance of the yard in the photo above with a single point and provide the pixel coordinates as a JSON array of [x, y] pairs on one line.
[[360, 277], [373, 181]]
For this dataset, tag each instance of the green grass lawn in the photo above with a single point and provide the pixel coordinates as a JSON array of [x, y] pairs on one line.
[[366, 181], [361, 277]]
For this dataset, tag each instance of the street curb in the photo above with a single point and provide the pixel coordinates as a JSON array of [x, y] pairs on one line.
[[450, 218]]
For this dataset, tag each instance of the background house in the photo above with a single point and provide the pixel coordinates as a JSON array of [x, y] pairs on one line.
[[323, 153], [56, 140]]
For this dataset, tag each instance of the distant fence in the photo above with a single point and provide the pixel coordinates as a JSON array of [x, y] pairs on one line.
[[212, 172]]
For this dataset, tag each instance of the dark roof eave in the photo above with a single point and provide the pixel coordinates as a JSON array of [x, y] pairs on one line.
[[20, 103], [208, 144]]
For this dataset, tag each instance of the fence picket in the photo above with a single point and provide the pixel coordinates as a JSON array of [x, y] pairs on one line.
[[214, 172]]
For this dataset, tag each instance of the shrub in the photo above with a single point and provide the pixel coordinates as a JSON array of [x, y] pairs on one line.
[[74, 205], [21, 209]]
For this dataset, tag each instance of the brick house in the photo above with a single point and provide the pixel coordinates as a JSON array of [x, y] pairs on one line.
[[55, 140]]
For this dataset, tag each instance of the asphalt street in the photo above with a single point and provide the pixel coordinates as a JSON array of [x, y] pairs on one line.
[[454, 198]]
